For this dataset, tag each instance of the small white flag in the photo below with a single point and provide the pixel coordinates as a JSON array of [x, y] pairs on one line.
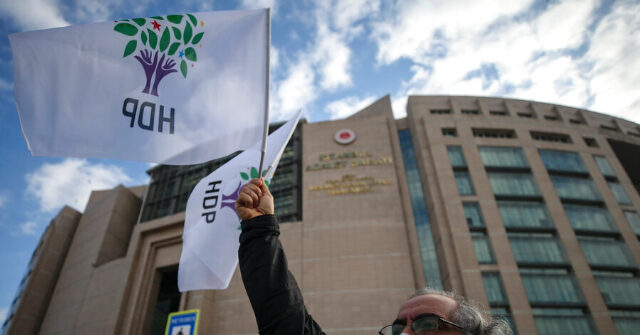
[[211, 227], [174, 89]]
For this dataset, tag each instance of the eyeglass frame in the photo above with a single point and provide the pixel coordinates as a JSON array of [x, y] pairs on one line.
[[428, 315]]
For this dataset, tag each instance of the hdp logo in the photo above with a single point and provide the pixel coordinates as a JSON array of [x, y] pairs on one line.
[[159, 40]]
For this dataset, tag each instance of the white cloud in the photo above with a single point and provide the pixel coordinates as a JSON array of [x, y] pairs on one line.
[[33, 14], [3, 314], [5, 85], [28, 228], [70, 182], [294, 92], [342, 108], [564, 24], [332, 55], [4, 199]]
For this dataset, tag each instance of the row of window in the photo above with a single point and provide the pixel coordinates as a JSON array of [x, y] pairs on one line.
[[511, 134]]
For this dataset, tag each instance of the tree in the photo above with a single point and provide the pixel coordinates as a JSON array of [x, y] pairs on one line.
[[174, 37]]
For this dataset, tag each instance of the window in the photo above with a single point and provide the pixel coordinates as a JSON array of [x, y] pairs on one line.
[[590, 218], [627, 322], [570, 188], [494, 288], [604, 166], [493, 133], [618, 288], [575, 121], [168, 301], [550, 137], [503, 157], [449, 132], [471, 111], [456, 157], [513, 184], [551, 118], [563, 161], [482, 247], [605, 252], [551, 286], [521, 214], [561, 321], [463, 181], [610, 128], [539, 249], [440, 111], [473, 214], [498, 113], [633, 134], [526, 115], [591, 142], [619, 193], [634, 221]]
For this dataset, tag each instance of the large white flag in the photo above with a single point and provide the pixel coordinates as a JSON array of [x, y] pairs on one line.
[[175, 89], [212, 227]]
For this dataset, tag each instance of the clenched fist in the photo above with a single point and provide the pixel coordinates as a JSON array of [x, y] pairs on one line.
[[254, 200]]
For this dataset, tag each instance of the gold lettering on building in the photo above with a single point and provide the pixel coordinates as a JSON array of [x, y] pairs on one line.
[[347, 159], [350, 184]]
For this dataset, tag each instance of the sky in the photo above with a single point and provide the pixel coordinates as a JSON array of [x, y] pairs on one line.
[[330, 59]]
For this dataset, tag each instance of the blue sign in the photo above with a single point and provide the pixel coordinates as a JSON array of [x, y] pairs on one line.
[[183, 323]]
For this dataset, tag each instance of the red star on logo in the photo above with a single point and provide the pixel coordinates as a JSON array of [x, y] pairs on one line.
[[156, 25]]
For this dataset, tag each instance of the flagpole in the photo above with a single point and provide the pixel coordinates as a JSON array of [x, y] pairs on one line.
[[266, 95]]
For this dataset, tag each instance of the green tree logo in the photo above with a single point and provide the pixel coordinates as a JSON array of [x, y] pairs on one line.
[[253, 173], [164, 37]]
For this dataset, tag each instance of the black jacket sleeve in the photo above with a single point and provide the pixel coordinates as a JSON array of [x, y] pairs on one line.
[[274, 294]]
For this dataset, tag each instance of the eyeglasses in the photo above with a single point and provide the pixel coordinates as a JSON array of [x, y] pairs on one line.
[[421, 325]]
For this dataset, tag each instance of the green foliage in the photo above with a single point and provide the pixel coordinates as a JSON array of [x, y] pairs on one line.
[[175, 19], [188, 31], [130, 48], [190, 54], [165, 39], [177, 33], [197, 38], [193, 20], [126, 28], [173, 48], [183, 68], [140, 21], [153, 39], [157, 17], [244, 176], [143, 38], [254, 173]]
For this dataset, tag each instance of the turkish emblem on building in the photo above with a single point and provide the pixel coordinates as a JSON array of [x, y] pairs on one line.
[[345, 136]]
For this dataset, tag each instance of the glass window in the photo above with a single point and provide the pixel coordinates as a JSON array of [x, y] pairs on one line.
[[168, 301], [473, 213], [420, 215], [627, 322], [565, 161], [620, 289], [561, 321], [456, 157], [482, 247], [537, 249], [494, 288], [503, 157], [463, 180], [602, 251], [575, 188], [513, 184], [547, 287], [634, 221], [589, 218], [619, 193], [551, 137], [604, 166], [523, 214]]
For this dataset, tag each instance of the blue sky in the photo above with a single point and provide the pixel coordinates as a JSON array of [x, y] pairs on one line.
[[332, 58]]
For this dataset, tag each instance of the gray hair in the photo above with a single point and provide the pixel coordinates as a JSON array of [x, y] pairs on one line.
[[469, 316]]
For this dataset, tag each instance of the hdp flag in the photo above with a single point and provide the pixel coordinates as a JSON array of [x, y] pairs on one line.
[[211, 227], [175, 89]]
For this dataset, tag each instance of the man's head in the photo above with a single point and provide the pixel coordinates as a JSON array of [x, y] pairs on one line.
[[449, 312]]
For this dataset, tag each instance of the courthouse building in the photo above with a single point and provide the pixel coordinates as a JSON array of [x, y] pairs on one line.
[[530, 209]]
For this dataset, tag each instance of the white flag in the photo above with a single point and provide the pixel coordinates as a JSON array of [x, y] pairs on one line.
[[146, 89], [211, 227]]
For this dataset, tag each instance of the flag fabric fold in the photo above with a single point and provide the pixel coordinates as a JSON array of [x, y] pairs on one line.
[[212, 228], [174, 89]]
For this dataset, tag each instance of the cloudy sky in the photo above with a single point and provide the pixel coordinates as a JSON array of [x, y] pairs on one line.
[[331, 58]]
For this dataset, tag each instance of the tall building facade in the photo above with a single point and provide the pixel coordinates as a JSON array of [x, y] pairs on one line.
[[529, 209]]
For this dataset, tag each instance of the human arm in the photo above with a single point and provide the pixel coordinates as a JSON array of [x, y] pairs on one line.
[[273, 291]]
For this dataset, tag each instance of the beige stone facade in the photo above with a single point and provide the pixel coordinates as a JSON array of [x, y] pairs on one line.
[[355, 253]]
